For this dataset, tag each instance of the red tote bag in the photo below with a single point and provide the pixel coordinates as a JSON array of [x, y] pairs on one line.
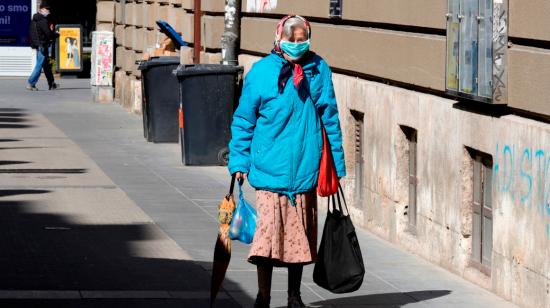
[[327, 183]]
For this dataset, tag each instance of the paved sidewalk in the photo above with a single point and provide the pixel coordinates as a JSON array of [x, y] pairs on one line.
[[129, 206]]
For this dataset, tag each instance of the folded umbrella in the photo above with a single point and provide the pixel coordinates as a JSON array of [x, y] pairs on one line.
[[222, 250]]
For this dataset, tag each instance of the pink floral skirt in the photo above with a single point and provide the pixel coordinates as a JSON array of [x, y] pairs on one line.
[[285, 233]]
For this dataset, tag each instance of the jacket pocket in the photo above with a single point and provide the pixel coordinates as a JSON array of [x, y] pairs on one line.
[[270, 157]]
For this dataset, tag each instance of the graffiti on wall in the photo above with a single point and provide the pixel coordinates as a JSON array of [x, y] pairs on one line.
[[260, 6], [523, 173], [500, 50]]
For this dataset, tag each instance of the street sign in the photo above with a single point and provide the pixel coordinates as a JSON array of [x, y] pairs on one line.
[[16, 56]]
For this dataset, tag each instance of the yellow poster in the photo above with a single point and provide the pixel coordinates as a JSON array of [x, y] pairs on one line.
[[69, 50]]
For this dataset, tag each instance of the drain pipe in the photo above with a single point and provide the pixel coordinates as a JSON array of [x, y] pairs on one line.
[[197, 16], [231, 39]]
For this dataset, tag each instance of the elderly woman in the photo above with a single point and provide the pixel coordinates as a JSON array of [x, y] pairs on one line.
[[277, 144]]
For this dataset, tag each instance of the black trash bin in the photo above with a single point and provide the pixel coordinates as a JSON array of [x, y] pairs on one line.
[[209, 95], [160, 99]]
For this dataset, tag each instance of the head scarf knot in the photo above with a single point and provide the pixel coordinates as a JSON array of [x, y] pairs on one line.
[[290, 67]]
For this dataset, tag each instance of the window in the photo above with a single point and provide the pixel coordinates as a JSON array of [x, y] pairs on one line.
[[482, 211], [470, 48], [411, 135], [358, 125]]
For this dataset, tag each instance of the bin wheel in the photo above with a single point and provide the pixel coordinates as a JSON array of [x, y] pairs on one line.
[[223, 156]]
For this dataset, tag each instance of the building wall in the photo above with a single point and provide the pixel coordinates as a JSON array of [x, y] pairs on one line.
[[405, 43], [136, 33], [520, 149], [377, 52], [394, 40]]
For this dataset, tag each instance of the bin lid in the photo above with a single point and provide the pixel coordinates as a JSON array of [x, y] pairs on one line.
[[159, 61], [171, 33], [185, 70]]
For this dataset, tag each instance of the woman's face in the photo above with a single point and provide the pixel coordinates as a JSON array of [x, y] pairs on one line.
[[298, 35]]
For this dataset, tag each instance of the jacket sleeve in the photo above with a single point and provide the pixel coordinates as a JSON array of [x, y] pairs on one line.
[[328, 110], [242, 128], [44, 27]]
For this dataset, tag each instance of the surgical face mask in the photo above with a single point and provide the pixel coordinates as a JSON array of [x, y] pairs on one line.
[[45, 14], [294, 50]]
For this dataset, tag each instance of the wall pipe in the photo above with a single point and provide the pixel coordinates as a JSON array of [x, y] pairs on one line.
[[197, 23], [231, 37]]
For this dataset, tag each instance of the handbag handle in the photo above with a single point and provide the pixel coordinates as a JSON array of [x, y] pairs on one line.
[[336, 202], [341, 193]]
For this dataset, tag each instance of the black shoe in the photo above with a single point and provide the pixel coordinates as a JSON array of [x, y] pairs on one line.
[[295, 302], [53, 86], [261, 302]]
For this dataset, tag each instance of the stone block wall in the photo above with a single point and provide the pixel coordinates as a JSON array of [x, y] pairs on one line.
[[519, 147], [136, 33], [446, 135]]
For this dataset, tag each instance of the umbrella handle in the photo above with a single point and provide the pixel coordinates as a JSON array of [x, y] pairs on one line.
[[232, 184]]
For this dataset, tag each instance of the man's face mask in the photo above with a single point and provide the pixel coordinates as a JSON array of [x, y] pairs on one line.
[[45, 13], [294, 50]]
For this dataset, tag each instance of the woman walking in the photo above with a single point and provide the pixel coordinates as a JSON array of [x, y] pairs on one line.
[[276, 144]]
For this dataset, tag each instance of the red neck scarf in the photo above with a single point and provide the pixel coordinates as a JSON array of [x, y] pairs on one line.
[[290, 68]]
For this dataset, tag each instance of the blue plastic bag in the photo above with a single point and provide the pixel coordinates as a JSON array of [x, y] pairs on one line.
[[243, 224]]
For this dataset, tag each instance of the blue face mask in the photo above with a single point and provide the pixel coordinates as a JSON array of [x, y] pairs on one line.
[[294, 50], [45, 14]]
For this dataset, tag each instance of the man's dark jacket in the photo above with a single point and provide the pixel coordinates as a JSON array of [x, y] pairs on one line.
[[40, 33]]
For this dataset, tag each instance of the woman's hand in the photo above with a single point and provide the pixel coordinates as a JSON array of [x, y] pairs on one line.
[[241, 176]]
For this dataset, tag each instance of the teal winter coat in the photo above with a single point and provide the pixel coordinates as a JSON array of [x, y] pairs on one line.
[[276, 137]]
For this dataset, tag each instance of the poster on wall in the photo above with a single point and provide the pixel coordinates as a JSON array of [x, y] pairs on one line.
[[102, 58], [69, 48], [15, 17], [260, 6]]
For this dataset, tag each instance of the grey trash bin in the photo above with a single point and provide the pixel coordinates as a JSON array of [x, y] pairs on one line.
[[160, 99]]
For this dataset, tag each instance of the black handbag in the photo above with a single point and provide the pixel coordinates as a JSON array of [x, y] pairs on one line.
[[339, 267]]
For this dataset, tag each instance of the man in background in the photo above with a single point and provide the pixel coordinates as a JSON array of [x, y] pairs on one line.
[[41, 35]]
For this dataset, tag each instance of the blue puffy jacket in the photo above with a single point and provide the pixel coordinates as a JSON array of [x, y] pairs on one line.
[[276, 137]]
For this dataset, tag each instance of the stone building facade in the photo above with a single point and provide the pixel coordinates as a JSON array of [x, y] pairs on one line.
[[457, 179]]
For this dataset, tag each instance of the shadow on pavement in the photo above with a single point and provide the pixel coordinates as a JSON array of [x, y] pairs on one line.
[[13, 162], [92, 265], [45, 171], [17, 192], [76, 88], [10, 140], [12, 110], [385, 300], [12, 120], [2, 125], [12, 114], [24, 148]]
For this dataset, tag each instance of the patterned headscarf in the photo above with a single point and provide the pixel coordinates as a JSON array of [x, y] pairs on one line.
[[281, 26], [288, 68]]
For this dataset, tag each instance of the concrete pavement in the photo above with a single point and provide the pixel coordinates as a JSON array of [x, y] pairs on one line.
[[103, 219]]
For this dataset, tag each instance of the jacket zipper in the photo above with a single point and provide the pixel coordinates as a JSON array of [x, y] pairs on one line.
[[292, 149]]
